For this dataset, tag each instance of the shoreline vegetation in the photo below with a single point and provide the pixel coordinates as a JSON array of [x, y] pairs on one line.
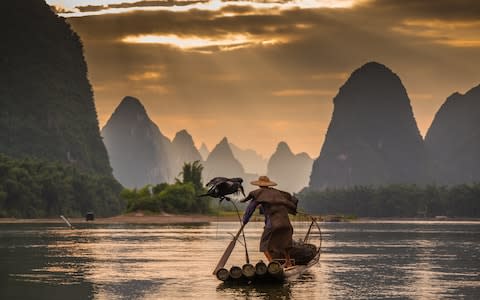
[[33, 189], [395, 201], [37, 188]]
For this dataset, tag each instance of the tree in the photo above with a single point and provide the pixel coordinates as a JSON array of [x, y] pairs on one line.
[[32, 188], [180, 197], [192, 172]]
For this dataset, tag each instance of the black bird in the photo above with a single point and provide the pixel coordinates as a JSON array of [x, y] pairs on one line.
[[220, 187]]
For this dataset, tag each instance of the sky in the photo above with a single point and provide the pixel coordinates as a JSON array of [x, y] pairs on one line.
[[265, 71]]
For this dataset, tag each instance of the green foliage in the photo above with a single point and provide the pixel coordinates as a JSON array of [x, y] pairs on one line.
[[395, 201], [180, 197], [32, 188], [192, 172], [174, 198], [140, 199]]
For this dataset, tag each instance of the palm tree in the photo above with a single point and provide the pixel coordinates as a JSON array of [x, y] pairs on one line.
[[192, 172]]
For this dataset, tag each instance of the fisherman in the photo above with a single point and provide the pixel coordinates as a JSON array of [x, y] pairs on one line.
[[277, 234]]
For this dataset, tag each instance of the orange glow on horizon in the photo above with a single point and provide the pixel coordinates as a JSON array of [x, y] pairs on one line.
[[228, 42]]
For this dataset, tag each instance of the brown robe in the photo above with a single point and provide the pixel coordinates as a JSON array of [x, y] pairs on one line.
[[277, 205]]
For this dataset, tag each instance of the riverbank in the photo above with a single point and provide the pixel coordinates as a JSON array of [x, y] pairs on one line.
[[139, 218]]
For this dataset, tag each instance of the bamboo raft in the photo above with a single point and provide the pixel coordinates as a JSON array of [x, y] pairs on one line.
[[263, 273]]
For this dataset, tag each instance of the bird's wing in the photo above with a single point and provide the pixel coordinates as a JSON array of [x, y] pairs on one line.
[[215, 181], [227, 188], [236, 179]]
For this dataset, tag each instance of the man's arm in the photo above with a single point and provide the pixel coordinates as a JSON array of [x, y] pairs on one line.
[[249, 211]]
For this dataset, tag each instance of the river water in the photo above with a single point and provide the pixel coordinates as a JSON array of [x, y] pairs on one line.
[[360, 260]]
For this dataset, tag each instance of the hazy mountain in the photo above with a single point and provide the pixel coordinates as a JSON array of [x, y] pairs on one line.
[[183, 150], [204, 151], [139, 153], [453, 139], [46, 101], [373, 137], [222, 162], [290, 171], [250, 160]]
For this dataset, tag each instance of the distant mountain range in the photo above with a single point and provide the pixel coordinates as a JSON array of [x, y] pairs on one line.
[[140, 154], [252, 161], [372, 139], [290, 171]]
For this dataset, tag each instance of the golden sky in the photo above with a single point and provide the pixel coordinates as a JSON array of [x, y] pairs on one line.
[[265, 71]]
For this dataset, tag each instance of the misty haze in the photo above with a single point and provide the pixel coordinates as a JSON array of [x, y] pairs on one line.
[[240, 149]]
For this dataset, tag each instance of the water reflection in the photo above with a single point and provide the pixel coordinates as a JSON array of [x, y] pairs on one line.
[[255, 291], [402, 260], [358, 261]]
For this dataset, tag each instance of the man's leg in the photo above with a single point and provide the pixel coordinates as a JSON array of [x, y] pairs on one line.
[[287, 260], [268, 256]]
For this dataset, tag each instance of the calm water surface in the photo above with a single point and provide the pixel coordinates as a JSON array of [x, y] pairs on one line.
[[371, 260]]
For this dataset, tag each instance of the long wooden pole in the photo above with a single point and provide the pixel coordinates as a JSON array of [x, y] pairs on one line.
[[66, 221], [243, 233], [228, 251], [308, 232]]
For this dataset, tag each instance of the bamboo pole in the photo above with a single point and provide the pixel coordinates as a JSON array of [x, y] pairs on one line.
[[236, 272], [248, 270], [228, 251], [275, 269], [261, 268], [223, 274]]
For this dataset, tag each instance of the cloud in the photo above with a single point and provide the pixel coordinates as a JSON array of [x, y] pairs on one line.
[[438, 9], [139, 4], [206, 24], [228, 42], [59, 9], [188, 5], [144, 76], [450, 33]]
